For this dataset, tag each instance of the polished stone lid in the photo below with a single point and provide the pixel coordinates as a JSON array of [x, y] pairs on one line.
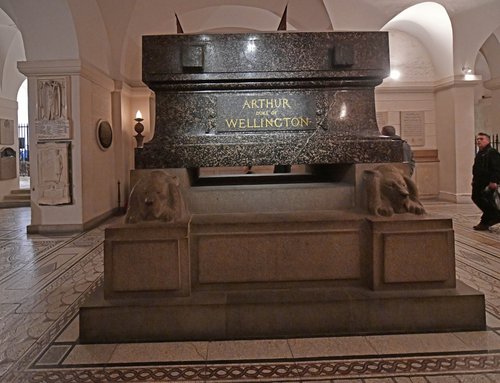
[[265, 98], [264, 56]]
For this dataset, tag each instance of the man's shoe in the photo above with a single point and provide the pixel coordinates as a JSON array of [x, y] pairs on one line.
[[494, 221], [481, 227]]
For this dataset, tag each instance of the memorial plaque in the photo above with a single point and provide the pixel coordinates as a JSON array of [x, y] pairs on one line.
[[413, 127], [6, 132], [52, 130]]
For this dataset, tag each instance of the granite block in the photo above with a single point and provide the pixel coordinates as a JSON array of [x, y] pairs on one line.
[[146, 260], [245, 99], [411, 252]]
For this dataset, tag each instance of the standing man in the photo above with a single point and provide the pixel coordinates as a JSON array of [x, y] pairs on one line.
[[485, 175]]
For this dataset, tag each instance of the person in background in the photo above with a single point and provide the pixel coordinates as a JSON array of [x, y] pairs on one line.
[[389, 130], [485, 180]]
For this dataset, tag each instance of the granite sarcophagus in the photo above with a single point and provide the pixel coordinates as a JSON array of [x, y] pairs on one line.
[[265, 98]]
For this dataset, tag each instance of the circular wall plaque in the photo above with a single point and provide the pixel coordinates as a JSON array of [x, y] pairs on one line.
[[104, 134]]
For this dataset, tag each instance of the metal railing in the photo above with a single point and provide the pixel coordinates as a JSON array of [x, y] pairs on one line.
[[494, 141], [24, 150]]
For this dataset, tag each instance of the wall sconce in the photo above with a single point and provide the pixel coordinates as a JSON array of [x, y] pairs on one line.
[[468, 75], [466, 70], [139, 128]]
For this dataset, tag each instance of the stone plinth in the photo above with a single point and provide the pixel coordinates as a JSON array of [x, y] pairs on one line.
[[280, 274]]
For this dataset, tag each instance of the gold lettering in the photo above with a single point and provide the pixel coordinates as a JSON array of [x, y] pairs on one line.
[[231, 123], [255, 123], [266, 103]]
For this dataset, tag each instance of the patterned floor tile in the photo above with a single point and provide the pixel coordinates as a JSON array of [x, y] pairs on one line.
[[44, 279]]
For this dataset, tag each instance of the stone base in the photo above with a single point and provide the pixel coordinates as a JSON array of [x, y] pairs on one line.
[[295, 274], [281, 313]]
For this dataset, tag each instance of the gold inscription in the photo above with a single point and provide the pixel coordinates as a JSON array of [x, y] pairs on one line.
[[278, 122], [267, 113], [266, 103]]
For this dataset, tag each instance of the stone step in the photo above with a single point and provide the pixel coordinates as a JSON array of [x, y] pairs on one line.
[[17, 197], [20, 191], [206, 316], [10, 204]]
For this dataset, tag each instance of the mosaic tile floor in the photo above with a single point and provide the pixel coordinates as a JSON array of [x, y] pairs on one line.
[[44, 279]]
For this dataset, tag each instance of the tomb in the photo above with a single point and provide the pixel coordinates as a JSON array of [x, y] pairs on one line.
[[279, 254]]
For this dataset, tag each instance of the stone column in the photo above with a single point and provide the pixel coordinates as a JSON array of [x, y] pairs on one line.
[[73, 179], [455, 137], [53, 106]]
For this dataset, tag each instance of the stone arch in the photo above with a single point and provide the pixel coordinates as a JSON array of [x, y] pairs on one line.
[[490, 50], [47, 29], [236, 17], [410, 57], [487, 65], [243, 18], [430, 24], [93, 42], [11, 51]]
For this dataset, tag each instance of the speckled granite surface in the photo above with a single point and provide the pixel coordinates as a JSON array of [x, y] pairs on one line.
[[265, 98]]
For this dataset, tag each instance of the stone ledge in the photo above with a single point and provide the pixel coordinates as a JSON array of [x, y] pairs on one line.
[[280, 314]]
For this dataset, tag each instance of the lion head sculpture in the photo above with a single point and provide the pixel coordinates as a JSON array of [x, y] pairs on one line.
[[390, 191], [156, 197]]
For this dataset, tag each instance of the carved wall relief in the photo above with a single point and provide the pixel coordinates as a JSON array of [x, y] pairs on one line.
[[52, 121], [54, 186]]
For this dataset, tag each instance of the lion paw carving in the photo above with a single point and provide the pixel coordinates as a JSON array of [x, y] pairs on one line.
[[389, 191], [156, 197]]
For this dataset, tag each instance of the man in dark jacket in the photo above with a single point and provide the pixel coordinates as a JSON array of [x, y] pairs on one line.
[[485, 180]]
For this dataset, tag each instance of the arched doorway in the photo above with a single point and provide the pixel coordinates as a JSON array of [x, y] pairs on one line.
[[23, 136], [11, 51]]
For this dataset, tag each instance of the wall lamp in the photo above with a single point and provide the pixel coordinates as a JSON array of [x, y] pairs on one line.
[[468, 75], [139, 128]]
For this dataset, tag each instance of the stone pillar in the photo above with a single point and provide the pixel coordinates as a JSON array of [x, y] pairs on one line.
[[73, 178], [48, 128], [455, 138]]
